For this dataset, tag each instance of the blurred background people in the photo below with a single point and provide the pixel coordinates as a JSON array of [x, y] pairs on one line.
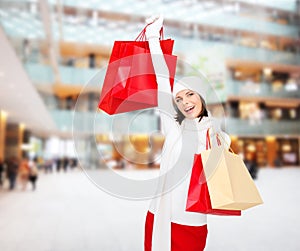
[[58, 164], [251, 165], [65, 163], [12, 171], [1, 171], [33, 173], [26, 50], [48, 166], [24, 171]]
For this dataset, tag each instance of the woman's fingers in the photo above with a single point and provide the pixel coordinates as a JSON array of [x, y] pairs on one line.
[[154, 26], [152, 19]]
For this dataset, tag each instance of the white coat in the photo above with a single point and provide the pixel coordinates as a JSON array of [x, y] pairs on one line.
[[181, 143]]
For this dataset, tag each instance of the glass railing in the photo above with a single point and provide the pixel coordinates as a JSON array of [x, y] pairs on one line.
[[99, 122], [251, 89], [95, 122], [223, 51], [234, 21], [278, 4], [262, 55], [43, 74], [72, 75], [235, 126], [39, 73]]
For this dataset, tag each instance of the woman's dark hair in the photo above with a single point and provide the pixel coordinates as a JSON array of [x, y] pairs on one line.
[[180, 117]]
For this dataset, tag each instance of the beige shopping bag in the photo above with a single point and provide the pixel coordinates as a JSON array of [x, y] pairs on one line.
[[229, 182]]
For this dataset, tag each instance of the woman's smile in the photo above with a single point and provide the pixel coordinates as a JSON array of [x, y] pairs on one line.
[[189, 109]]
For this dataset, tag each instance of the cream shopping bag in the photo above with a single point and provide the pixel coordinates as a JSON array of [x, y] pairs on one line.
[[229, 183]]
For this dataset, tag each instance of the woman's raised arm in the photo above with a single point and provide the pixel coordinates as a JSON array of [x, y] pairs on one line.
[[164, 95]]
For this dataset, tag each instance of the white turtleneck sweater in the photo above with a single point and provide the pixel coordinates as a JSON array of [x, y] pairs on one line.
[[181, 143]]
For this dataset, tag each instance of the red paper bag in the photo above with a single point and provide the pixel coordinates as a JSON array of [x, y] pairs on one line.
[[130, 82], [139, 80], [198, 195]]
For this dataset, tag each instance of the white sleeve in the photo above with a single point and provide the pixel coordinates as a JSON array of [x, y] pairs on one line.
[[164, 96]]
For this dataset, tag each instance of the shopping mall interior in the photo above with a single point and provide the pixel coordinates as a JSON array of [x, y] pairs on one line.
[[57, 54], [54, 56]]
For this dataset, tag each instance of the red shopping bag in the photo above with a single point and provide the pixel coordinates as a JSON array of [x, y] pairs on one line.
[[198, 195], [138, 81], [130, 81]]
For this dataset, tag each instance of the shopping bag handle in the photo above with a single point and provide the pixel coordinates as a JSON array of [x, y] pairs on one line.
[[142, 35], [208, 142]]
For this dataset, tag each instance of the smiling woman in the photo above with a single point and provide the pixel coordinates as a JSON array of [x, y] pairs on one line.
[[189, 104], [169, 226]]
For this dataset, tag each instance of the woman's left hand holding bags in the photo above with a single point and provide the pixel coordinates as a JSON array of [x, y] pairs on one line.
[[154, 26]]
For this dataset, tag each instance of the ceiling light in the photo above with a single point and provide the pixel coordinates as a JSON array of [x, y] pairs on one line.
[[291, 85], [3, 114], [267, 71], [270, 138], [27, 147], [286, 148], [251, 148], [237, 73], [233, 137]]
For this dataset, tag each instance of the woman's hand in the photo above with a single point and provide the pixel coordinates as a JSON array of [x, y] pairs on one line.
[[154, 27]]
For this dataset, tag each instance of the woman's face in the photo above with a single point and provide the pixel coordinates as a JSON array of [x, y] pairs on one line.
[[188, 103]]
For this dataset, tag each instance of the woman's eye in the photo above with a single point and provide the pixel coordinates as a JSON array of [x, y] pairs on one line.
[[190, 94], [178, 100]]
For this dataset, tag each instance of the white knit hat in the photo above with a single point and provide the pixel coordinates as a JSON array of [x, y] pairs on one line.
[[197, 84]]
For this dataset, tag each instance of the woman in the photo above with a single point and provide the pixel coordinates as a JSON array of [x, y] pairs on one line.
[[169, 227]]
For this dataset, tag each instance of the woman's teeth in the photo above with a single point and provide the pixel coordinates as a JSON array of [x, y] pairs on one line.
[[189, 109]]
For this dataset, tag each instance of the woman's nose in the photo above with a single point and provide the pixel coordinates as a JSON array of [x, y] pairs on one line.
[[185, 101]]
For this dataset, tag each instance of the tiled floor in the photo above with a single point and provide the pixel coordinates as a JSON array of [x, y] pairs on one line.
[[68, 212]]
